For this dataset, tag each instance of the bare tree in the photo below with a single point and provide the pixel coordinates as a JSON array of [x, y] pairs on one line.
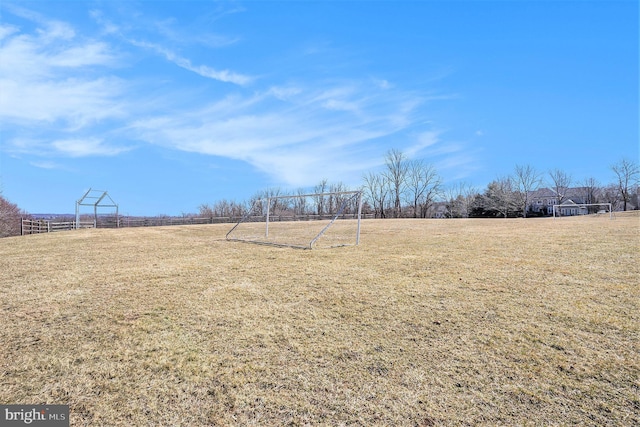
[[396, 173], [611, 194], [300, 204], [459, 199], [560, 182], [526, 180], [376, 191], [276, 204], [258, 203], [590, 188], [320, 200], [335, 200], [501, 196], [450, 195], [635, 196], [222, 209], [468, 193], [347, 202], [627, 175], [422, 184], [205, 210], [10, 216], [238, 209]]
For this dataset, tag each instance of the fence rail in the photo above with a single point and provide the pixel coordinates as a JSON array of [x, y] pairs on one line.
[[33, 227], [162, 221], [37, 226]]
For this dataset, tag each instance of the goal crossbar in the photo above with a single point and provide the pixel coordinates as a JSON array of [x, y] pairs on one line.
[[293, 196], [353, 196]]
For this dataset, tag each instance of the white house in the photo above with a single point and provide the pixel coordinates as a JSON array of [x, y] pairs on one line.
[[542, 200]]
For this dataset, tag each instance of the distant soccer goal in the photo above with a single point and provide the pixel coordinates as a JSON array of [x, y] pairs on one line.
[[305, 221], [574, 209]]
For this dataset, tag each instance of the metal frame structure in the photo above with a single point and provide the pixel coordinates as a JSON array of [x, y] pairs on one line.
[[580, 206], [354, 195], [95, 198]]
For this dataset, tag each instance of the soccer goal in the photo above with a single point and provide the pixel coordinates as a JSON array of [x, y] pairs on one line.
[[574, 209], [305, 221]]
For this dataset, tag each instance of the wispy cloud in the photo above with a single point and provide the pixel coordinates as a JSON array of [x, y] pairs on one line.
[[56, 89], [108, 27], [458, 164], [202, 70], [298, 135], [45, 75], [84, 147], [42, 55], [179, 36], [382, 83], [45, 164], [7, 30], [66, 94], [77, 103], [61, 148], [422, 141], [51, 28]]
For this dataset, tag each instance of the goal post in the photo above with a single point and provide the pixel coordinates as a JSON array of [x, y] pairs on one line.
[[577, 209], [302, 221]]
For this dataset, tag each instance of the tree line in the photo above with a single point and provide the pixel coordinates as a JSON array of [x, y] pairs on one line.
[[510, 195], [318, 203], [413, 188]]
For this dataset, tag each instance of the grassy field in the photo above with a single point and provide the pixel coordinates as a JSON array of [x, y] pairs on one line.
[[427, 322]]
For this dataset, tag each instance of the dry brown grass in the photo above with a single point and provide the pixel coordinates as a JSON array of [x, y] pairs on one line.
[[427, 322]]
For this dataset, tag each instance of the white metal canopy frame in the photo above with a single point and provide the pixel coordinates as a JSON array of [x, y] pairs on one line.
[[352, 196], [97, 199]]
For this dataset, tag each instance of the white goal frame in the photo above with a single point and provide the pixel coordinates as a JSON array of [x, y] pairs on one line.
[[332, 217], [556, 208]]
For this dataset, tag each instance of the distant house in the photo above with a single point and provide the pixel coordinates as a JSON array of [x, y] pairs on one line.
[[571, 208], [439, 210], [542, 200]]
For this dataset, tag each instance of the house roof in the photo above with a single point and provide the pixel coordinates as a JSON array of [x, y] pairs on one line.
[[542, 193], [568, 202], [577, 193]]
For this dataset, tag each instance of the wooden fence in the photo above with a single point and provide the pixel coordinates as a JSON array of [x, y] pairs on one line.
[[160, 221], [37, 226]]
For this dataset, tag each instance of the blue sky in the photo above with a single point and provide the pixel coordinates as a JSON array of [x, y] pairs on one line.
[[171, 104]]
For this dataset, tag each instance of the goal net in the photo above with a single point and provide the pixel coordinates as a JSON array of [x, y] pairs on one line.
[[306, 221], [576, 209]]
